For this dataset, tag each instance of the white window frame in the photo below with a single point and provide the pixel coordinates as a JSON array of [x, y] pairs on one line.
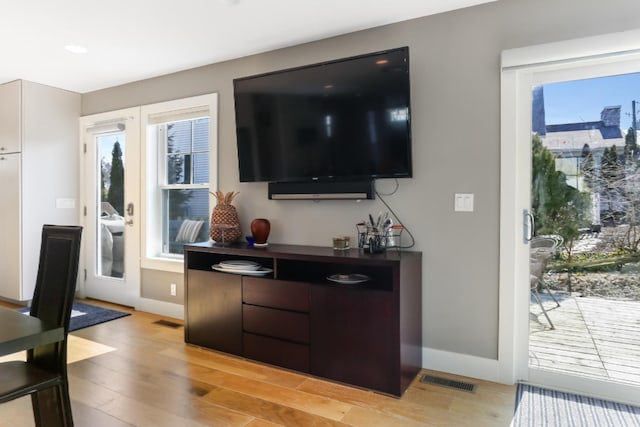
[[151, 115]]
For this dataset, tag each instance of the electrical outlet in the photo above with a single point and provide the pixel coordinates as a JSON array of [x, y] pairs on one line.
[[174, 289]]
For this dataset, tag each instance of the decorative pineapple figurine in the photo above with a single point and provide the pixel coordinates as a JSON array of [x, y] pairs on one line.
[[225, 226]]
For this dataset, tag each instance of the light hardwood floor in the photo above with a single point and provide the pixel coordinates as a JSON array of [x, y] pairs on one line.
[[153, 379]]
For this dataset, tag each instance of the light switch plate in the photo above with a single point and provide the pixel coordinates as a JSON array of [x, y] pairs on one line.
[[463, 202], [65, 203]]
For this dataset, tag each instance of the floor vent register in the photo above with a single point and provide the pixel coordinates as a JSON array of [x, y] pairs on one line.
[[445, 382], [167, 323]]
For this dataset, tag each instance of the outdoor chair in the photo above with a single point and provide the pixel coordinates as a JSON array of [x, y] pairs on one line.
[[548, 244], [43, 375], [542, 248]]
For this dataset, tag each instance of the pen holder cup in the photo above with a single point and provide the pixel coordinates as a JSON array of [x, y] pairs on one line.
[[372, 240]]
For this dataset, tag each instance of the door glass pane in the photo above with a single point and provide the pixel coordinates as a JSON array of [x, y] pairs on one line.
[[585, 257], [110, 222]]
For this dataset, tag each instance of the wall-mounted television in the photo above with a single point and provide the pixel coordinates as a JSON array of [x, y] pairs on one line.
[[341, 120]]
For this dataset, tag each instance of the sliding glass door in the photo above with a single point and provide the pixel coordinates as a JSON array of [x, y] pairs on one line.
[[570, 194]]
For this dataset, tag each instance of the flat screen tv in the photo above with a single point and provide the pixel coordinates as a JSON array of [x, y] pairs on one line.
[[341, 120]]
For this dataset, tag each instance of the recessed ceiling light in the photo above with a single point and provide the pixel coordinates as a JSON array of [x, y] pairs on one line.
[[73, 48]]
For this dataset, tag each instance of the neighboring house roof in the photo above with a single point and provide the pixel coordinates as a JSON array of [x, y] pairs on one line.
[[606, 132], [560, 138]]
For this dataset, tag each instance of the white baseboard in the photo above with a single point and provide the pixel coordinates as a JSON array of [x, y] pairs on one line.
[[461, 364], [161, 308]]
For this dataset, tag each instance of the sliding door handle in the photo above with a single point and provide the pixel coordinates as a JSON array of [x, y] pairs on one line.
[[528, 225]]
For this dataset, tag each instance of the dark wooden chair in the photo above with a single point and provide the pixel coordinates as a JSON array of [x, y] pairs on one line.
[[44, 374]]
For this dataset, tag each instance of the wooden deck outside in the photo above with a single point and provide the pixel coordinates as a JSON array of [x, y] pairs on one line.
[[594, 338]]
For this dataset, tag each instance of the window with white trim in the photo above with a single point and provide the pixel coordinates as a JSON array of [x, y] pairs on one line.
[[180, 154], [183, 182]]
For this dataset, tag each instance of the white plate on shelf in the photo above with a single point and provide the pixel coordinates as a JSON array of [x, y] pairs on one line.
[[348, 279], [238, 264], [259, 272]]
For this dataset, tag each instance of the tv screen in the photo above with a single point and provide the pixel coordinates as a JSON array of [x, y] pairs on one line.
[[347, 119]]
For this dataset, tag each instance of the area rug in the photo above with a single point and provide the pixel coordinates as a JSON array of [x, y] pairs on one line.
[[85, 315], [541, 407]]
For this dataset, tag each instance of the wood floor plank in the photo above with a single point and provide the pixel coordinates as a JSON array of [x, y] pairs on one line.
[[268, 410], [360, 416], [16, 413], [307, 402], [140, 414], [85, 415], [159, 388], [262, 423], [234, 365], [196, 410], [374, 405]]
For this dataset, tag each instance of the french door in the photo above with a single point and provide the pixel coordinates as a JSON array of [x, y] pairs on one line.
[[524, 71], [111, 199]]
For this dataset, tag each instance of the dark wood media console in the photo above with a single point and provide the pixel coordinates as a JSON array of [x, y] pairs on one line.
[[367, 334]]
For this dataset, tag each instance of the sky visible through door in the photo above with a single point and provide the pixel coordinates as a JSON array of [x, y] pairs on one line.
[[582, 100]]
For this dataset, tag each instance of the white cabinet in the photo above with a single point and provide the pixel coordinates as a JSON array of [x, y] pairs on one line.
[[39, 171], [10, 223], [10, 128]]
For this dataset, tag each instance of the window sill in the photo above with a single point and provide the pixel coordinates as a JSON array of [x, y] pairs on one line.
[[171, 265]]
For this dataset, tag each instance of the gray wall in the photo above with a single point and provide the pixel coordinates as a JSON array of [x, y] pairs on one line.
[[455, 71]]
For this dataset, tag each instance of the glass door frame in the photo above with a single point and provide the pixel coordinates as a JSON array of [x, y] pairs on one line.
[[125, 290], [521, 70]]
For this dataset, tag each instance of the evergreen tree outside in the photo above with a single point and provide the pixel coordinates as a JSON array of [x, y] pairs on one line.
[[612, 184], [630, 146], [557, 207], [115, 195], [105, 169], [589, 173], [632, 191], [611, 167]]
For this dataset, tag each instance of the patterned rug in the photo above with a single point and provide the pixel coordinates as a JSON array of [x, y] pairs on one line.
[[85, 315], [548, 408]]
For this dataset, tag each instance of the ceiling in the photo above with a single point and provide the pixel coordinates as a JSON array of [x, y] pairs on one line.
[[130, 40]]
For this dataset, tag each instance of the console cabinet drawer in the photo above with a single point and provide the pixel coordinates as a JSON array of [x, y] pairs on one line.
[[287, 325], [276, 352], [276, 293]]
